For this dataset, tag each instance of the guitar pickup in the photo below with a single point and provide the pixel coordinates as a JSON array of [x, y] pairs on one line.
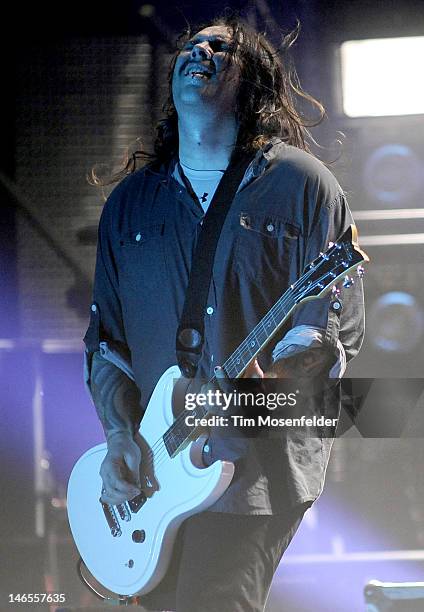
[[112, 519], [124, 512], [137, 502]]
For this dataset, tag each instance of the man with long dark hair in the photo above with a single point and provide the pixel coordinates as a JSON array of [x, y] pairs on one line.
[[231, 95]]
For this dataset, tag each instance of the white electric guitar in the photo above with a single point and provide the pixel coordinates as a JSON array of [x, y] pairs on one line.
[[127, 548]]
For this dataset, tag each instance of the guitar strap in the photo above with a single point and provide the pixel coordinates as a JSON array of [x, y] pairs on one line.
[[190, 333]]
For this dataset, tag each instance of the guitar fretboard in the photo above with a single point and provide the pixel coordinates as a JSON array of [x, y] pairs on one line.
[[260, 335], [234, 366]]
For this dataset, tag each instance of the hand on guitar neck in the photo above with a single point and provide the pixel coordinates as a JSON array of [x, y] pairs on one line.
[[311, 362]]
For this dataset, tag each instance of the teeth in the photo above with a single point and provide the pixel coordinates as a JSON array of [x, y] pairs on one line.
[[196, 71]]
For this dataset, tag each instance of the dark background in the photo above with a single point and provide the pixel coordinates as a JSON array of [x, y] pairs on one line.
[[81, 81]]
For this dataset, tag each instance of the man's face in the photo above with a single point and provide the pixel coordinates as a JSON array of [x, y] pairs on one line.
[[205, 73]]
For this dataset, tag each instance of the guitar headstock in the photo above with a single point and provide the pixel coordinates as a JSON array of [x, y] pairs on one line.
[[334, 264]]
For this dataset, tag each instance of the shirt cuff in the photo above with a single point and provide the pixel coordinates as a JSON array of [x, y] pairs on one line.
[[304, 337]]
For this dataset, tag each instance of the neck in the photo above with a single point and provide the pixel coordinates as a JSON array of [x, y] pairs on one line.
[[207, 143]]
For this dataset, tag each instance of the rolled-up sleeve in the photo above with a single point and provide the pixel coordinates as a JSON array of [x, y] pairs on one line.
[[304, 337], [105, 333], [335, 321]]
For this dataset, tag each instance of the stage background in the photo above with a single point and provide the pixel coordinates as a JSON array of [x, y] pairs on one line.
[[82, 83]]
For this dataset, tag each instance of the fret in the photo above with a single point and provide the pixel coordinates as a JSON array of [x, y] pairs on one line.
[[235, 363], [280, 311], [170, 442], [264, 327], [250, 345], [271, 314], [268, 323], [179, 432], [259, 336], [232, 370]]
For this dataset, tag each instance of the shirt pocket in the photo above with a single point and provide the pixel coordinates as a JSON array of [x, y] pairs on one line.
[[142, 261], [266, 245]]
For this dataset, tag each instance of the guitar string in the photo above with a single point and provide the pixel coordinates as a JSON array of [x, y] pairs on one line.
[[279, 306], [162, 453], [180, 417], [270, 314]]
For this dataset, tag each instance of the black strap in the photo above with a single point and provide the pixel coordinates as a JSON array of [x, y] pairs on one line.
[[189, 341]]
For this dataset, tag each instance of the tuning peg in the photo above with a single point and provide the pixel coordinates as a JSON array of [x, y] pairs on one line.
[[335, 291], [360, 271], [330, 244], [348, 282]]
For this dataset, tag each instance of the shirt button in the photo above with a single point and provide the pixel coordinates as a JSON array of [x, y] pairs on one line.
[[209, 310], [138, 237], [94, 307], [270, 227], [336, 305]]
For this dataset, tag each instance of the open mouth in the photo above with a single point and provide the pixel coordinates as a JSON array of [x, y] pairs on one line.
[[198, 72]]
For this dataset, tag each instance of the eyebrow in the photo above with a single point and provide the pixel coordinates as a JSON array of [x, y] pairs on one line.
[[213, 37]]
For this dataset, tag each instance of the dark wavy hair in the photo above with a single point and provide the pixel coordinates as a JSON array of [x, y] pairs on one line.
[[267, 105]]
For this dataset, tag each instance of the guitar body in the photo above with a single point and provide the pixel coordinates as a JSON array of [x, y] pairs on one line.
[[134, 559]]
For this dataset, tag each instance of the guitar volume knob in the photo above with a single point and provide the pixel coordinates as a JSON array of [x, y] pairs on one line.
[[138, 536]]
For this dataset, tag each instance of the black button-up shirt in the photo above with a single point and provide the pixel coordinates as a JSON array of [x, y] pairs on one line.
[[287, 209]]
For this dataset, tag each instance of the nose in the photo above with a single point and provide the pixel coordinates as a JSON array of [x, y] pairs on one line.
[[201, 51]]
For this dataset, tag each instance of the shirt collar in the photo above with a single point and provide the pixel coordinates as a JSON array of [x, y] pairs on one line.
[[256, 167]]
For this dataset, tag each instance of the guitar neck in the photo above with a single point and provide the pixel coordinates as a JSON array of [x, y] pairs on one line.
[[180, 434], [260, 335]]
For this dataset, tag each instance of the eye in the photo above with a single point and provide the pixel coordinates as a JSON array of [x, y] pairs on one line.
[[219, 45]]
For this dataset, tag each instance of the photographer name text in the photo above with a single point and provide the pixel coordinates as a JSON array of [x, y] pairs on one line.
[[237, 420]]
